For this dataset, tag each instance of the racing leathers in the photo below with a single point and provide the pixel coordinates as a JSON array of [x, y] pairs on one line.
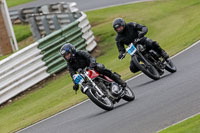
[[83, 59], [131, 32]]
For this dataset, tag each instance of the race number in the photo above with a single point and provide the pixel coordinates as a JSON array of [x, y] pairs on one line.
[[131, 49], [78, 79]]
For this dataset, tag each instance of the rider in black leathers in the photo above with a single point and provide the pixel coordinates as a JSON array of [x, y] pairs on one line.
[[81, 59], [128, 32]]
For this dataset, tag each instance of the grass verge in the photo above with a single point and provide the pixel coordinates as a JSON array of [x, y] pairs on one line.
[[22, 32], [12, 3], [173, 23], [188, 126]]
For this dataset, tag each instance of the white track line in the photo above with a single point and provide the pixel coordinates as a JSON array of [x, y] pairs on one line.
[[194, 114], [118, 5], [179, 121], [170, 58], [52, 116], [126, 80]]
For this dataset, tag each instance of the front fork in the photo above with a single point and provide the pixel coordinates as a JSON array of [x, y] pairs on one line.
[[96, 87], [143, 58]]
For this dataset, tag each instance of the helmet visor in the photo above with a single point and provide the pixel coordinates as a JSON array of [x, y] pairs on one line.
[[67, 55], [119, 28]]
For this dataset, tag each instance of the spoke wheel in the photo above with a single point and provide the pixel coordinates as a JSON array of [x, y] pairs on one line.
[[101, 101], [146, 67]]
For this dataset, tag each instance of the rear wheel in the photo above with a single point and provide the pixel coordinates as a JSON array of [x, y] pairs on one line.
[[170, 67], [145, 67], [129, 95], [101, 101]]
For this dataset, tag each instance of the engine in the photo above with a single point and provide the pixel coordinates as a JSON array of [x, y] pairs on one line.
[[116, 90]]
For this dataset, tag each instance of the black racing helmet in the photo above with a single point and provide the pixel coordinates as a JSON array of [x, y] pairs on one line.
[[66, 49], [117, 23]]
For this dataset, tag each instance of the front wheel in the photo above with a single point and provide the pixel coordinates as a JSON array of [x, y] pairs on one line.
[[145, 67], [101, 101], [129, 95]]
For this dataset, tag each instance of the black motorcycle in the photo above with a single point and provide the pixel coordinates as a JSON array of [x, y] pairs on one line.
[[149, 62], [101, 90]]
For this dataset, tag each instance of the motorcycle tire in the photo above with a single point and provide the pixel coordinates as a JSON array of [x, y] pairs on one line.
[[149, 70], [129, 94], [170, 67], [103, 102]]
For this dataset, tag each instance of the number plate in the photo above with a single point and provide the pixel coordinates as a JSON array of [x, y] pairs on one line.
[[131, 49], [78, 79]]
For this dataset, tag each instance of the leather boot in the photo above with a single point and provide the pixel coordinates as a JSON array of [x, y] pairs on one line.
[[159, 50], [118, 80], [164, 55]]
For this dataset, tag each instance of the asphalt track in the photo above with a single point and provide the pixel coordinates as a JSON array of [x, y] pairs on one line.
[[83, 5], [158, 104]]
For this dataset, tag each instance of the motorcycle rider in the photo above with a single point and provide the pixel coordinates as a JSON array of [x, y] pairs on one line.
[[128, 32], [81, 59]]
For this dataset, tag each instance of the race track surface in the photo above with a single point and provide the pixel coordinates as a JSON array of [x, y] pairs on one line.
[[158, 104], [83, 5]]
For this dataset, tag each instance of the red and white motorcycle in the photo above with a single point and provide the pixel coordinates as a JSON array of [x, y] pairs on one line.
[[102, 91]]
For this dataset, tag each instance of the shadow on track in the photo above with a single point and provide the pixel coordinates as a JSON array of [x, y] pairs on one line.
[[106, 112], [152, 81]]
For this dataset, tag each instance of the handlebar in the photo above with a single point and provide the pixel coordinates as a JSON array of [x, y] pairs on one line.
[[80, 70], [137, 40]]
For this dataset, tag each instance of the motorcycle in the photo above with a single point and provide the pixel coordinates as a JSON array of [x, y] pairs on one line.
[[149, 62], [101, 90]]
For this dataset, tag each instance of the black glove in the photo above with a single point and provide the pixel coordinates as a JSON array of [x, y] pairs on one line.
[[75, 87], [140, 34], [120, 56], [93, 64]]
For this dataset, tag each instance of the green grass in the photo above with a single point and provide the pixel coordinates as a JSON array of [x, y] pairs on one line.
[[188, 126], [12, 3], [26, 110], [22, 32], [175, 24], [3, 57]]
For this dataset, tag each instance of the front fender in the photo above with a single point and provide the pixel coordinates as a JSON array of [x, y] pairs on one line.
[[85, 88]]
